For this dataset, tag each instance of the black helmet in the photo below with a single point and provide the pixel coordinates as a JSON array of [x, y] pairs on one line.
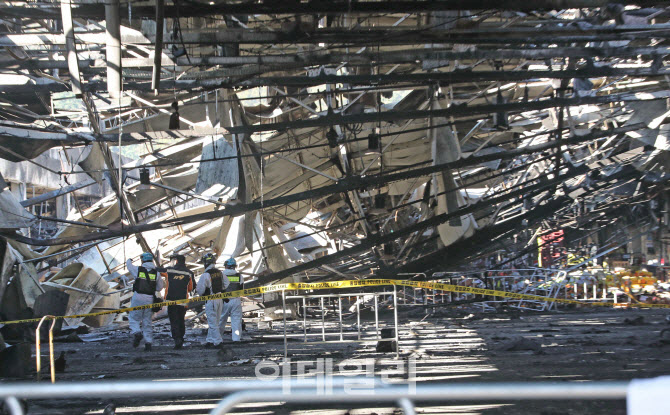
[[208, 258], [181, 259]]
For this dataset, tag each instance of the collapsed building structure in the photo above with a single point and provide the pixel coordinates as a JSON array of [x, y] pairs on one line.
[[322, 141]]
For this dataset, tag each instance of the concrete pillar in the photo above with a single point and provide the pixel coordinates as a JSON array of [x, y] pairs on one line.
[[19, 190], [72, 59], [636, 245], [113, 24], [277, 262], [63, 206], [158, 47], [643, 242]]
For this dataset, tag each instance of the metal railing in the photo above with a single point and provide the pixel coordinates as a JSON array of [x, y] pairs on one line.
[[540, 281], [545, 282], [38, 353], [321, 305], [350, 390]]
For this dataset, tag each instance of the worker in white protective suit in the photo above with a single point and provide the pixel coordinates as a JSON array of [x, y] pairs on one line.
[[211, 282], [148, 280], [233, 308]]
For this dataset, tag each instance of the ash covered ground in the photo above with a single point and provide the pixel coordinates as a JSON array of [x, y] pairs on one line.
[[449, 346]]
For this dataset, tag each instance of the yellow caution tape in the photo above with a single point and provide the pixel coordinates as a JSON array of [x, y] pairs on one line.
[[344, 284]]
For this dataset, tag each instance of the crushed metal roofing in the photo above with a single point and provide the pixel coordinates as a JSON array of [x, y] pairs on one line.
[[392, 136]]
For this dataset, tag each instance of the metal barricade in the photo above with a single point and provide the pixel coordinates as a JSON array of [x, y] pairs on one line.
[[544, 282], [38, 354], [344, 390], [339, 297]]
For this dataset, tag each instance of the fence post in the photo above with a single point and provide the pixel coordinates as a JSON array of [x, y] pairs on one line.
[[304, 318], [395, 318], [283, 308]]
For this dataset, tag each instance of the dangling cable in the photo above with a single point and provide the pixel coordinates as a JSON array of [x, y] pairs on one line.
[[181, 36]]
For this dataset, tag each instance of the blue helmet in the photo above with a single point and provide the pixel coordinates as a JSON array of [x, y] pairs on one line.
[[146, 257], [230, 263]]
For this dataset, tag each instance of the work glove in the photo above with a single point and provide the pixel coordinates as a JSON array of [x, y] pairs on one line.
[[157, 299]]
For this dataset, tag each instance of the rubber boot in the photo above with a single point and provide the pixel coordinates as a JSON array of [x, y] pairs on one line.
[[137, 338]]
